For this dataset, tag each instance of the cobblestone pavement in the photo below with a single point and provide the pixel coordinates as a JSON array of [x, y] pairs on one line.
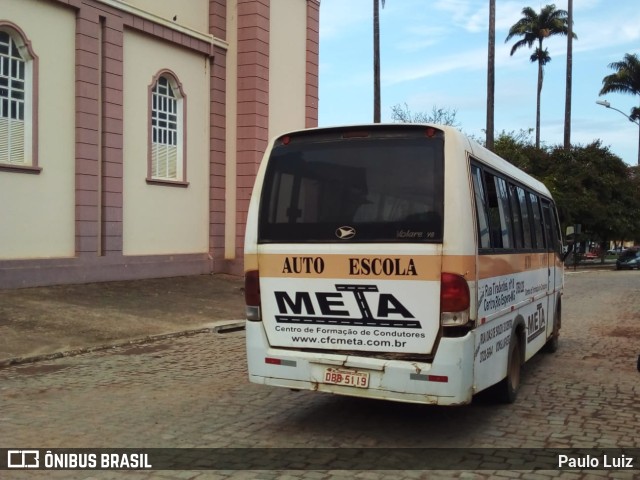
[[193, 392]]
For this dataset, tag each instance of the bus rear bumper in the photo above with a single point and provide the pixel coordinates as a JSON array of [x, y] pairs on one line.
[[442, 382]]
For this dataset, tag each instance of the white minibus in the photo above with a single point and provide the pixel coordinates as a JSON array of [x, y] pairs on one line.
[[401, 262]]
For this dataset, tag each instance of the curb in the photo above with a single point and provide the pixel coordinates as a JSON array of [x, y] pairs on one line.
[[218, 327], [591, 268]]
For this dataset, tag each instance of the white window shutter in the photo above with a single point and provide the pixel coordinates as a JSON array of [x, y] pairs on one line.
[[4, 140], [172, 161], [11, 140], [16, 141]]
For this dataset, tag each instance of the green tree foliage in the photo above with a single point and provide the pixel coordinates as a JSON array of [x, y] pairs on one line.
[[516, 147], [626, 79], [442, 116], [591, 185]]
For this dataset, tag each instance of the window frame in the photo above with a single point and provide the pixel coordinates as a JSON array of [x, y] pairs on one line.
[[295, 162], [516, 216], [505, 212], [483, 228], [181, 131], [486, 173], [525, 211], [551, 226], [538, 223], [30, 112]]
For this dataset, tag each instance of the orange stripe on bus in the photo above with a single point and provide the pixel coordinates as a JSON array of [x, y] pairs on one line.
[[496, 265], [396, 267], [392, 267], [464, 265], [250, 262]]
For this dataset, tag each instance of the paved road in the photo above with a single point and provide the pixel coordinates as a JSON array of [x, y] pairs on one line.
[[193, 392]]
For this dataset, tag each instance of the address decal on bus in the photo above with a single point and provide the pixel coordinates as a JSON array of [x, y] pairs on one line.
[[497, 293]]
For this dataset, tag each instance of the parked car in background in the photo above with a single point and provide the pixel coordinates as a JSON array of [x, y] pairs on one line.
[[629, 259], [590, 256]]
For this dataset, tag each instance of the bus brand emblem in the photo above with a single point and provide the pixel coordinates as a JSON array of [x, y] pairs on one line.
[[345, 233]]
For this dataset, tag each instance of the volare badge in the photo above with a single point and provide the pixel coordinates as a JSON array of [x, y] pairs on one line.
[[345, 232]]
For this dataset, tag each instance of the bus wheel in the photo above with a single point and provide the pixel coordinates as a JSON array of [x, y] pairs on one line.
[[552, 343], [507, 389]]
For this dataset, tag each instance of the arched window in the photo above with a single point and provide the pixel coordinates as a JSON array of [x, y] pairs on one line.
[[16, 98], [167, 149]]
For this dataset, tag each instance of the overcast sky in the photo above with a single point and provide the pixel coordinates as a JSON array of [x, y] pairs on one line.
[[434, 53]]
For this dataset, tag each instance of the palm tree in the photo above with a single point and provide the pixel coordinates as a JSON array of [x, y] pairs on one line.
[[626, 79], [534, 27], [376, 60], [491, 75], [567, 98]]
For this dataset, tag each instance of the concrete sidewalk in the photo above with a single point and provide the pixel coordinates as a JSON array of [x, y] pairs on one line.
[[47, 322]]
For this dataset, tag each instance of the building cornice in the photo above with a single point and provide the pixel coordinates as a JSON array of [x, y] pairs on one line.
[[130, 9]]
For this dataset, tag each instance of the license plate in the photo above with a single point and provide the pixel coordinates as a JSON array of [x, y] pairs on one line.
[[349, 378]]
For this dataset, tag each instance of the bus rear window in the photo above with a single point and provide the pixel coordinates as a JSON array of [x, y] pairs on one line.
[[378, 188]]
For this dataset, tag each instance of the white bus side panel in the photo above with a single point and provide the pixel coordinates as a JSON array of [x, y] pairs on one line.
[[502, 301]]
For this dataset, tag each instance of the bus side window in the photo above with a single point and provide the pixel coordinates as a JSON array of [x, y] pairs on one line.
[[506, 227], [551, 228], [493, 211], [537, 222], [517, 218], [499, 212], [526, 222], [481, 208], [557, 229]]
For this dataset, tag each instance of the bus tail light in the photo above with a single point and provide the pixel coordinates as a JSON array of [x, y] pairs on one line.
[[454, 300], [252, 295]]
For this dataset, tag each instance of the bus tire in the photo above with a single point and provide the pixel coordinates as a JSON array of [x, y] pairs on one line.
[[553, 342], [507, 389]]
